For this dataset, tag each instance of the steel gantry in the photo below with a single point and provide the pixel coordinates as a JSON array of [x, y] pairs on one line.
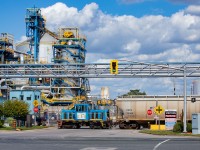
[[100, 70]]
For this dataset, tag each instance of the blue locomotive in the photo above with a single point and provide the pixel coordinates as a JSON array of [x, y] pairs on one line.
[[85, 115]]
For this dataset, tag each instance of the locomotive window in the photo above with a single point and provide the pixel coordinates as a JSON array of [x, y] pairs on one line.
[[70, 116], [108, 114], [80, 108], [77, 108], [96, 115], [92, 115], [65, 115], [83, 108]]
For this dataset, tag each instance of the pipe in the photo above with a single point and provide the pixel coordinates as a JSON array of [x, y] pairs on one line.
[[48, 87], [35, 87], [2, 80]]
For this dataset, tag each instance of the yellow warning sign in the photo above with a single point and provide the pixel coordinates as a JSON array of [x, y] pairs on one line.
[[159, 110], [35, 103]]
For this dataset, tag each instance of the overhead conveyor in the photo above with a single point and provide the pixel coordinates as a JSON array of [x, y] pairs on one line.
[[100, 70]]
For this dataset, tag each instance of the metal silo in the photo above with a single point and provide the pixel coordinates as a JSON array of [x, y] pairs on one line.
[[105, 93], [46, 51], [196, 87]]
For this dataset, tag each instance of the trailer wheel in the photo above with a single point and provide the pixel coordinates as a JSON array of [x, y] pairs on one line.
[[78, 126], [121, 125], [138, 126], [74, 126], [125, 126], [91, 127]]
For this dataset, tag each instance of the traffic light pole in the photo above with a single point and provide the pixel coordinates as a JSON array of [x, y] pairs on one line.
[[185, 103]]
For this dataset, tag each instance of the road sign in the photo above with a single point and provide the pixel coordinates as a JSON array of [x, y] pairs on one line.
[[159, 110], [149, 112], [35, 109], [170, 119], [35, 103]]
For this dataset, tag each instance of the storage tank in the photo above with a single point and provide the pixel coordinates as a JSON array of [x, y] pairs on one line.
[[105, 93], [196, 87], [23, 47], [46, 51]]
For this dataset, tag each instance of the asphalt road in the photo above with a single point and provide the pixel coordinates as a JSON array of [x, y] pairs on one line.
[[86, 139]]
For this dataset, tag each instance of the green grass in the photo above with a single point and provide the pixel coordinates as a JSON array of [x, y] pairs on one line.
[[6, 128], [163, 132], [24, 128]]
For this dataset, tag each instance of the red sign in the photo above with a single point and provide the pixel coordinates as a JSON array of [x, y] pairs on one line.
[[149, 112], [35, 109]]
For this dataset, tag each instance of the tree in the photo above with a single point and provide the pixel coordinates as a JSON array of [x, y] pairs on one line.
[[1, 110], [16, 109], [135, 92]]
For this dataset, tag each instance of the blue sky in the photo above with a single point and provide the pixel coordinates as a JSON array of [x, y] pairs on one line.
[[133, 30]]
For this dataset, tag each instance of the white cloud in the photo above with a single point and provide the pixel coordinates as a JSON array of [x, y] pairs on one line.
[[23, 38], [60, 14], [193, 9], [148, 38], [197, 47], [132, 47]]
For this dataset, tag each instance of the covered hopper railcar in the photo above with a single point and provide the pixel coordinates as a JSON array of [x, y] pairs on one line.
[[132, 110]]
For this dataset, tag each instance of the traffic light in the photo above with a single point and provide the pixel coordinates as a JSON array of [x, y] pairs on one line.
[[193, 99], [114, 66]]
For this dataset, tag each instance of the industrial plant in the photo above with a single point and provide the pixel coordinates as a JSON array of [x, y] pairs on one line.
[[48, 71], [44, 47]]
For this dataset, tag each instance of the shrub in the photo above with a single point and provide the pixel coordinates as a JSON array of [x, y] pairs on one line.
[[9, 120], [189, 127], [178, 127], [15, 109]]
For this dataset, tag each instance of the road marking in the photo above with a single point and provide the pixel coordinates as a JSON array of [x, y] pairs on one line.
[[99, 148], [160, 144]]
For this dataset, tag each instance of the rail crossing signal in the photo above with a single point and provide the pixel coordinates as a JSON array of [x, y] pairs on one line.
[[114, 66], [159, 110]]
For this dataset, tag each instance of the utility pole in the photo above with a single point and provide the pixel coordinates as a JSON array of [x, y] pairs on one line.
[[185, 103]]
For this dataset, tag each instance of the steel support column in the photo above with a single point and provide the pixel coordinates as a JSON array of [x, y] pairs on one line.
[[185, 103]]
